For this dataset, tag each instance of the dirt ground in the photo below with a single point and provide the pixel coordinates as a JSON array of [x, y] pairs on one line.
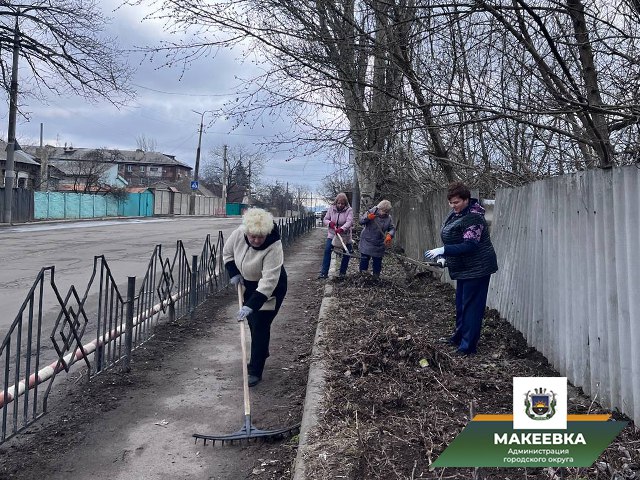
[[396, 397], [384, 415], [186, 379]]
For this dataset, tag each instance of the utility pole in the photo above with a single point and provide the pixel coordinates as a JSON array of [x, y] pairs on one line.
[[44, 163], [11, 135], [249, 180], [196, 173], [224, 180]]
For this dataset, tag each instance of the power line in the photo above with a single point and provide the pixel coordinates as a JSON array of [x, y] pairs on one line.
[[184, 94]]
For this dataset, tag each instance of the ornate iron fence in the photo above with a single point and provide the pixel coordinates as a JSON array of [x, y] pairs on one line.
[[116, 322]]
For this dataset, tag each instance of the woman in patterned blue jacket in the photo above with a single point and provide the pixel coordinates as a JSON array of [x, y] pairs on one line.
[[471, 260]]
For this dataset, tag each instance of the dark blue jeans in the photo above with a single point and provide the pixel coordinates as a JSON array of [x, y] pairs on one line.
[[326, 260], [376, 264], [471, 300]]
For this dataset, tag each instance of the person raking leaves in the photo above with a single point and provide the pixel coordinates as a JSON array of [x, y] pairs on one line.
[[253, 257]]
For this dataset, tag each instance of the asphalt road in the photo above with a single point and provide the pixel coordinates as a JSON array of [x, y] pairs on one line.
[[127, 245]]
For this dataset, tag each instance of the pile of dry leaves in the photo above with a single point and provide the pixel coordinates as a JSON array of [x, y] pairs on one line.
[[396, 397]]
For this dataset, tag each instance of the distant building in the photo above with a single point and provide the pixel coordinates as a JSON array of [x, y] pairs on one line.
[[26, 168], [145, 168], [91, 166]]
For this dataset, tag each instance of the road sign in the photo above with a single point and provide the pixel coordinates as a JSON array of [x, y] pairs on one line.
[[194, 185]]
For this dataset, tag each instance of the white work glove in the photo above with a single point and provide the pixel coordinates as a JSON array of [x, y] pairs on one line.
[[236, 280], [244, 312], [429, 254]]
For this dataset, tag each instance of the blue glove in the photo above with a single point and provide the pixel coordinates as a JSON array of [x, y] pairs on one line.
[[429, 254], [244, 312], [236, 280]]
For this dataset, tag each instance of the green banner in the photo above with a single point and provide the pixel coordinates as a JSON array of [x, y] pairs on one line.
[[497, 444]]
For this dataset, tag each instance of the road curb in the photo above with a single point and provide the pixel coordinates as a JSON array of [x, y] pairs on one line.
[[315, 386]]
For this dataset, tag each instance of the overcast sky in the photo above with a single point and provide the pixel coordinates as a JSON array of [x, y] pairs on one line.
[[163, 110]]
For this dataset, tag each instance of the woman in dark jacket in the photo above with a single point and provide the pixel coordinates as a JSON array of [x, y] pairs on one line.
[[471, 260], [376, 236]]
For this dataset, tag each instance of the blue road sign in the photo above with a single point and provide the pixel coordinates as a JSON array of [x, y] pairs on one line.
[[194, 185]]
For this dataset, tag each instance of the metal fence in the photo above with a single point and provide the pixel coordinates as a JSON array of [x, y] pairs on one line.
[[22, 205], [568, 265], [102, 326], [72, 205], [292, 227]]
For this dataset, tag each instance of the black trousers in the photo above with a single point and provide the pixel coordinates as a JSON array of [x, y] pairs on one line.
[[260, 327]]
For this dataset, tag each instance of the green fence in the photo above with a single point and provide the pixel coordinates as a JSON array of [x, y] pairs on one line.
[[68, 205]]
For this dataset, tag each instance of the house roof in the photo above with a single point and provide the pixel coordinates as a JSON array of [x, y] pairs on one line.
[[83, 188], [19, 156], [138, 156], [136, 189], [67, 167]]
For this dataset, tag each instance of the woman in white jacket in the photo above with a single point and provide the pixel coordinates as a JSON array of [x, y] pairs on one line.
[[253, 256]]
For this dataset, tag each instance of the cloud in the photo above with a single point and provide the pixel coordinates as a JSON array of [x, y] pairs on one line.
[[163, 108]]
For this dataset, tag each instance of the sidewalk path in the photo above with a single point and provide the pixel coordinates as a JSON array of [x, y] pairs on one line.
[[187, 378]]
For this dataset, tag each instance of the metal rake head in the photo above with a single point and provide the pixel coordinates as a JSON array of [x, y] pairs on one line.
[[247, 433]]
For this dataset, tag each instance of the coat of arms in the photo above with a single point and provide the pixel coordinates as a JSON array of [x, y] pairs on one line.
[[540, 404]]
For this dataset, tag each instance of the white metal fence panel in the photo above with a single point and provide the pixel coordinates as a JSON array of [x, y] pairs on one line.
[[419, 221], [569, 261], [207, 205], [161, 202]]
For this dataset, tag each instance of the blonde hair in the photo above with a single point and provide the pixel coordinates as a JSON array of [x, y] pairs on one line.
[[257, 221], [384, 205]]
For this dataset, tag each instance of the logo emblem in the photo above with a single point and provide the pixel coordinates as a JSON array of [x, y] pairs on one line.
[[540, 404]]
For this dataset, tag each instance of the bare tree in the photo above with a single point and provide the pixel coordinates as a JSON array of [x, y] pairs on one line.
[[425, 91], [340, 181], [63, 48], [319, 59], [244, 167], [89, 174], [281, 198], [146, 144]]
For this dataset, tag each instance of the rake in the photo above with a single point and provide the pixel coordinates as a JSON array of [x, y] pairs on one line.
[[247, 431], [436, 267], [345, 250]]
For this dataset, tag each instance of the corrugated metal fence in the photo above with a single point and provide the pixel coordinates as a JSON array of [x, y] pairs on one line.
[[569, 268], [569, 262], [68, 205], [22, 205]]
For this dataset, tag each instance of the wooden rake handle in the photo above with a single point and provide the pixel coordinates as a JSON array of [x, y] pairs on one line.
[[346, 250], [243, 343]]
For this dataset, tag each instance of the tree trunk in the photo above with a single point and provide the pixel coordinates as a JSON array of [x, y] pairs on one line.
[[596, 123]]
